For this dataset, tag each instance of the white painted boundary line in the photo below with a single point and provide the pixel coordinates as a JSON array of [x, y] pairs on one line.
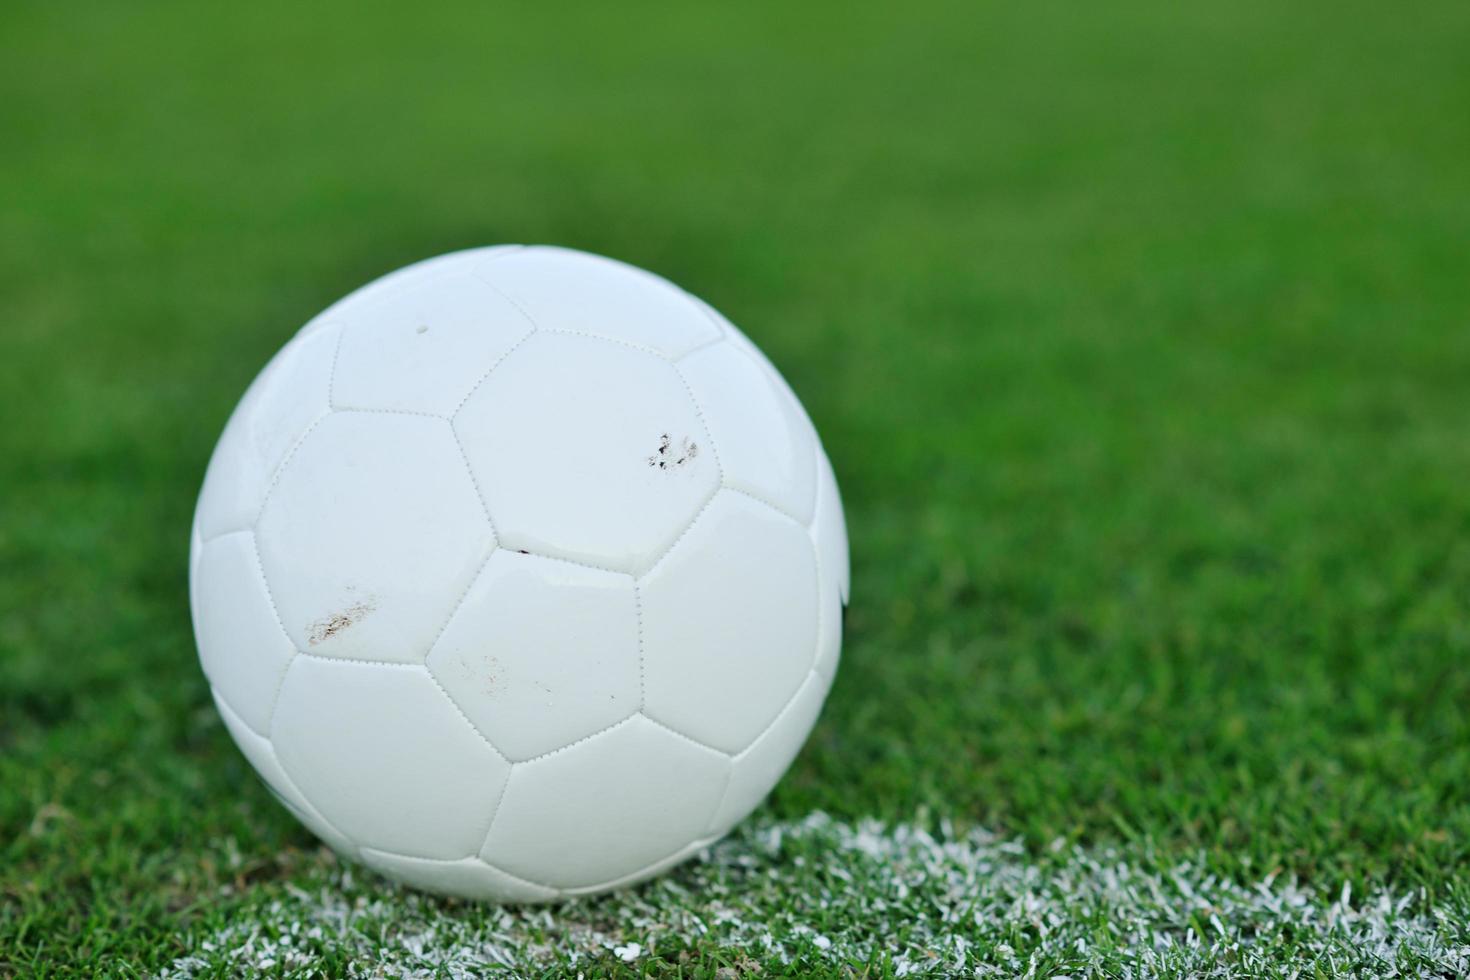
[[826, 893]]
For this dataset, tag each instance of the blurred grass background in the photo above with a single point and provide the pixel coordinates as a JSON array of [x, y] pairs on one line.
[[1138, 334]]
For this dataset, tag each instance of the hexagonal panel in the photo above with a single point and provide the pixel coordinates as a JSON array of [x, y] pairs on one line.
[[262, 757], [242, 648], [755, 772], [767, 448], [587, 450], [606, 807], [465, 878], [729, 622], [280, 405], [371, 535], [423, 348], [384, 755], [541, 652], [561, 289]]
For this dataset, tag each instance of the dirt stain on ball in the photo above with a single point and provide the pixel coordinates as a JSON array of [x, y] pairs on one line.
[[671, 457], [329, 626]]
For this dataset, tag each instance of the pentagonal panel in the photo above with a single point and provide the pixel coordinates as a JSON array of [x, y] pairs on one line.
[[767, 447], [729, 622], [371, 535], [587, 450], [280, 405], [465, 878], [423, 348], [606, 807], [541, 652], [561, 289], [830, 528], [262, 757], [755, 772], [242, 648], [384, 755]]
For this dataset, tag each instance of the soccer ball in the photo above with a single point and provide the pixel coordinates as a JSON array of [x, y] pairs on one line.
[[519, 574]]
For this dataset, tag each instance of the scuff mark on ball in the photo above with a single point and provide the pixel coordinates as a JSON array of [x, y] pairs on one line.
[[329, 626]]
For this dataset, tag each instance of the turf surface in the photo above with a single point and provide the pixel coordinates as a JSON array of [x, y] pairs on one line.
[[1137, 335]]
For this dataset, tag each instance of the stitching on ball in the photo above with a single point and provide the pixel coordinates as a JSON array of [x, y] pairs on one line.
[[703, 422], [718, 338], [332, 371], [359, 660], [680, 536], [785, 709], [247, 529], [556, 891], [473, 727], [346, 409], [476, 858], [768, 503], [642, 348], [286, 461], [474, 481], [572, 561], [585, 738], [638, 613], [495, 364], [280, 625], [688, 738]]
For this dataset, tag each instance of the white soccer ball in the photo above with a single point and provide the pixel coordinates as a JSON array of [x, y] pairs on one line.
[[519, 574]]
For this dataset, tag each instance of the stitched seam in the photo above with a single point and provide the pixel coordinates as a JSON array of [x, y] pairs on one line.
[[638, 615], [510, 350], [494, 814], [740, 756], [359, 660], [710, 313], [286, 461], [476, 858], [585, 738], [247, 529], [687, 528], [703, 422], [785, 710], [670, 859], [311, 808], [271, 749], [332, 372], [508, 298], [342, 409], [495, 364], [555, 889], [270, 718], [718, 338], [453, 612], [771, 504], [643, 348], [817, 454], [570, 561], [473, 727], [709, 825], [464, 458], [690, 738]]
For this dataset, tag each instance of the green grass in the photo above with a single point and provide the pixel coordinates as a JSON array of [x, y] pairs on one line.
[[1137, 334]]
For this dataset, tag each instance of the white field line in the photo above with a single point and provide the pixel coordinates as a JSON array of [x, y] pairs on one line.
[[821, 894]]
